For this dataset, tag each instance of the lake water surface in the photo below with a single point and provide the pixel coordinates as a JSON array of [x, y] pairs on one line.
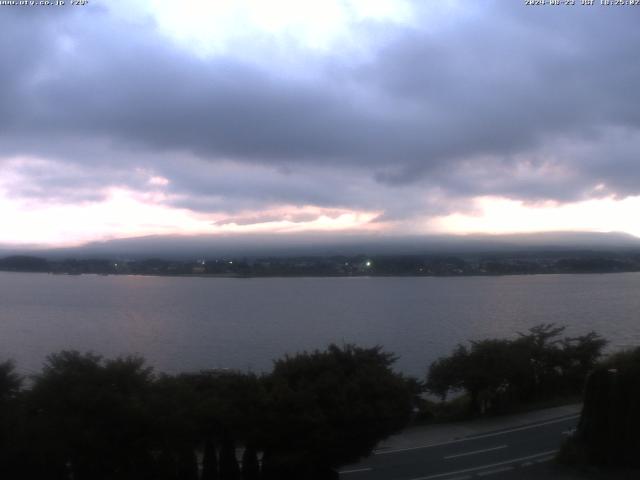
[[181, 324]]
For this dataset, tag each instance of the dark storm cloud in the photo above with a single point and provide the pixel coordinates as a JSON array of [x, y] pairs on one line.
[[531, 103], [46, 181], [107, 80], [514, 80]]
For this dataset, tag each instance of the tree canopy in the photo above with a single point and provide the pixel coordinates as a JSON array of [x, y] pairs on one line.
[[499, 373], [607, 433], [328, 408], [89, 418]]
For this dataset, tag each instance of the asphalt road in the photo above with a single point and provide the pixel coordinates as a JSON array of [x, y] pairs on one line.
[[502, 454]]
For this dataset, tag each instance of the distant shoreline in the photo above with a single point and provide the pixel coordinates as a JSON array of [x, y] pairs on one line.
[[238, 276], [426, 265]]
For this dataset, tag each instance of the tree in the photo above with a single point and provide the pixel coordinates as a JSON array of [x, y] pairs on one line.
[[496, 374], [580, 355], [329, 408], [228, 412], [23, 263], [541, 346], [608, 431], [209, 461], [175, 430], [446, 374], [229, 468], [90, 416], [492, 366], [10, 416], [250, 465], [10, 382], [487, 372]]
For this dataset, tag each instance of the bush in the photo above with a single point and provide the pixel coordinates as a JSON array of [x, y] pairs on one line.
[[497, 374]]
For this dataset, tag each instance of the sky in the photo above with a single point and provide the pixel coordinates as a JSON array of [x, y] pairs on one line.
[[384, 117]]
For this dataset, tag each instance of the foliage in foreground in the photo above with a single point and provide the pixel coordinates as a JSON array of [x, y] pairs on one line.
[[88, 418], [608, 432], [498, 374], [85, 417]]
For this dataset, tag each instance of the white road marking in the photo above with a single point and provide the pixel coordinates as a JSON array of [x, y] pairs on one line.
[[474, 452], [542, 460], [486, 435], [355, 470], [495, 470], [483, 467]]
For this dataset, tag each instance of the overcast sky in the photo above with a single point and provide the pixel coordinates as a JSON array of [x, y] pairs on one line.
[[393, 117]]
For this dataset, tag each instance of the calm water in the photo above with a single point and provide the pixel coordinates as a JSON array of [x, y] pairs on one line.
[[193, 323]]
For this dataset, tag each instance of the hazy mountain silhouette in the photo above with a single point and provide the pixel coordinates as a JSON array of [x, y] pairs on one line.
[[176, 246]]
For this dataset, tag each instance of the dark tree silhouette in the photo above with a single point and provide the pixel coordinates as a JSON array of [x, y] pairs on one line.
[[175, 428], [209, 461], [250, 465], [229, 407], [608, 431], [229, 468], [10, 417], [87, 418], [10, 382], [329, 408], [497, 374], [90, 416], [187, 464], [445, 374], [23, 263]]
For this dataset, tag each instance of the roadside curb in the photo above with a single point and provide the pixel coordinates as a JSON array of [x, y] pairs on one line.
[[417, 436]]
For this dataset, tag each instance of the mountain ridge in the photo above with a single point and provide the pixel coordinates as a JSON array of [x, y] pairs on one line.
[[176, 246]]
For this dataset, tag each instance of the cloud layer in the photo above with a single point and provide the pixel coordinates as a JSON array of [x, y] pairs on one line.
[[409, 120]]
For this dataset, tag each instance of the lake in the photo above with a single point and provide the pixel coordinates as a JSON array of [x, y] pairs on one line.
[[183, 323]]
